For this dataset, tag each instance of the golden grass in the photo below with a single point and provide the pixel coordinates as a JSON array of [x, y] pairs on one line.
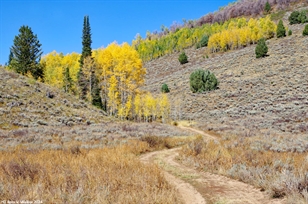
[[109, 175], [280, 173]]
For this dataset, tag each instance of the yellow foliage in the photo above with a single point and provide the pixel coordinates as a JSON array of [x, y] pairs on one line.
[[55, 64], [121, 74], [241, 33]]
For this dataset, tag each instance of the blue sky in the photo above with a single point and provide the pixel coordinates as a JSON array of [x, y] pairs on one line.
[[58, 24]]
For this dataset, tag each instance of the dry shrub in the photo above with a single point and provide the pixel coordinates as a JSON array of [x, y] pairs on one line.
[[280, 173], [109, 175], [156, 143]]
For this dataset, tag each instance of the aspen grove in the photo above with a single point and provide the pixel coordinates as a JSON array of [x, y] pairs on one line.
[[120, 73]]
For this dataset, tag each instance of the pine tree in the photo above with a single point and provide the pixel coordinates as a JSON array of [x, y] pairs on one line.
[[281, 30], [261, 48], [305, 31], [267, 7], [86, 52], [67, 80], [11, 56], [26, 53], [95, 93]]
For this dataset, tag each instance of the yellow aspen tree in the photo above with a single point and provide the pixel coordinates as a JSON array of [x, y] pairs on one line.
[[53, 73], [72, 62], [128, 107], [148, 106], [153, 108], [138, 107], [89, 71], [112, 95], [164, 106], [121, 112]]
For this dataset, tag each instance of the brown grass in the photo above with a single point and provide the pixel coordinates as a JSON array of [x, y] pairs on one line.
[[279, 173], [74, 175]]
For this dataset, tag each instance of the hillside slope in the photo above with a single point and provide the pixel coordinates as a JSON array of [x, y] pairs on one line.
[[37, 115], [268, 95]]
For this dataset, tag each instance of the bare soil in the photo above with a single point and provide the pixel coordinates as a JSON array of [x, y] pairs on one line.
[[202, 187]]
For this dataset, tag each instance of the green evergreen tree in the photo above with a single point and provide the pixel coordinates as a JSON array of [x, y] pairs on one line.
[[86, 51], [165, 88], [305, 31], [281, 30], [95, 93], [289, 32], [293, 18], [261, 48], [26, 53], [11, 56], [67, 80], [183, 58], [201, 81], [267, 7], [203, 42]]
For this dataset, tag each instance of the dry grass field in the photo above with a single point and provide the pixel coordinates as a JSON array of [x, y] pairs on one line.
[[73, 175], [280, 173]]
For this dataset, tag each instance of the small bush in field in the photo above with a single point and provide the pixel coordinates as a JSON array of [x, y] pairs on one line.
[[165, 88], [267, 7], [289, 32], [261, 48], [201, 81], [183, 58], [293, 19], [305, 31], [281, 30]]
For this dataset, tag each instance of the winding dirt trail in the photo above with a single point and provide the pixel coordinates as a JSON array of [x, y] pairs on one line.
[[197, 187]]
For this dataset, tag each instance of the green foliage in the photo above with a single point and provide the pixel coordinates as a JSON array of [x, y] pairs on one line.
[[183, 58], [165, 88], [201, 81], [289, 32], [86, 52], [11, 56], [281, 30], [82, 84], [302, 17], [95, 93], [293, 18], [203, 42], [297, 17], [86, 40], [67, 80], [305, 31], [267, 7], [26, 53], [261, 48]]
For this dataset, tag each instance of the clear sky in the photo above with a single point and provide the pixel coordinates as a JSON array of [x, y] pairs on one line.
[[58, 24]]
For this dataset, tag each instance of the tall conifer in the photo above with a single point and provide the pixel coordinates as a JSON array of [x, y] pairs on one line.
[[86, 52]]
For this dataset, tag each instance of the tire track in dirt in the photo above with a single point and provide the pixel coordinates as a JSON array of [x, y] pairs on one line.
[[202, 187]]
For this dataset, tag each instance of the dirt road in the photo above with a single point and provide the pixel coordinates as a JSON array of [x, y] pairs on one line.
[[197, 187]]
